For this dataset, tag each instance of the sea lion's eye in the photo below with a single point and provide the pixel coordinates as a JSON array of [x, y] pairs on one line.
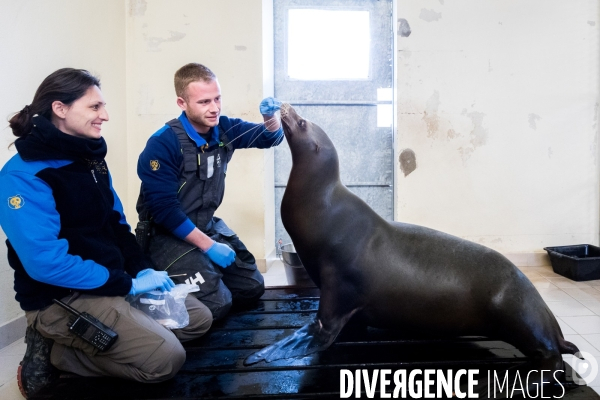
[[301, 123]]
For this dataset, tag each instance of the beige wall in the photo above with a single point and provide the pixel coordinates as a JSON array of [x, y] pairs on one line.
[[38, 37], [499, 101], [227, 37], [135, 46]]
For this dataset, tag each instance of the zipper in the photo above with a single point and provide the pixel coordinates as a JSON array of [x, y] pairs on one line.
[[94, 175]]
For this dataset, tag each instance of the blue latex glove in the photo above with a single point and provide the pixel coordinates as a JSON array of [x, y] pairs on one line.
[[269, 106], [149, 279], [144, 272], [221, 254]]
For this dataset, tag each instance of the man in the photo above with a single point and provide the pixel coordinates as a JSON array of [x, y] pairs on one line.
[[182, 169]]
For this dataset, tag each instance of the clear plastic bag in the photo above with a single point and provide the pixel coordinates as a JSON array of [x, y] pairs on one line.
[[167, 308]]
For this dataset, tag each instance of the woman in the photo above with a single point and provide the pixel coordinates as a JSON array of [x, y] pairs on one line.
[[68, 239]]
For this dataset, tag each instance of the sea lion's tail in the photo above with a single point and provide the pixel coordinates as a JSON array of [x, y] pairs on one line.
[[564, 346], [567, 347]]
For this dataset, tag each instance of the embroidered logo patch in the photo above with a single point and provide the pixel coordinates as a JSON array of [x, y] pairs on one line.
[[16, 202], [154, 165]]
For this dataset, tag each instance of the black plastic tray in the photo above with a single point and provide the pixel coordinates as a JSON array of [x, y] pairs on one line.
[[580, 262]]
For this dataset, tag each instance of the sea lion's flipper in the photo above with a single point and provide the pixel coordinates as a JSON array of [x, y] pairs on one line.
[[338, 303], [312, 337], [306, 340]]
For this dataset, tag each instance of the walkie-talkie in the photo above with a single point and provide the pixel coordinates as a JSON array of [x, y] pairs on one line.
[[143, 231], [89, 328]]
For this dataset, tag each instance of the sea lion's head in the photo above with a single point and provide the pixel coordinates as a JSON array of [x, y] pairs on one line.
[[302, 134], [308, 143], [293, 124]]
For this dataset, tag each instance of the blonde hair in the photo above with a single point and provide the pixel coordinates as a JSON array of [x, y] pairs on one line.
[[192, 72]]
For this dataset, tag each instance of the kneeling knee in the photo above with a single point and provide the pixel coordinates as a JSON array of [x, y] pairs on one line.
[[170, 359], [250, 294], [221, 310], [201, 319]]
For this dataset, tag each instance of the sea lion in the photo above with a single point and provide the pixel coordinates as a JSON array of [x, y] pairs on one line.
[[397, 275]]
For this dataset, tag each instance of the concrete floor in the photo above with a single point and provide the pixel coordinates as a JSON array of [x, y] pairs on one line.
[[576, 306]]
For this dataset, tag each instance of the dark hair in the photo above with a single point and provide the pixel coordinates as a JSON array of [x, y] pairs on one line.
[[192, 72], [65, 85]]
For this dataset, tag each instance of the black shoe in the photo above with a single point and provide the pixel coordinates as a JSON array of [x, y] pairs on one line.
[[35, 371]]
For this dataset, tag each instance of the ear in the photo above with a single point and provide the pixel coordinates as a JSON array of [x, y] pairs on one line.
[[182, 103], [59, 109]]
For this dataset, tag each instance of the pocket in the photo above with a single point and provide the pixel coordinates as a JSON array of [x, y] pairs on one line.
[[244, 265], [139, 336], [54, 322], [212, 174], [220, 227], [190, 163], [243, 258], [206, 162]]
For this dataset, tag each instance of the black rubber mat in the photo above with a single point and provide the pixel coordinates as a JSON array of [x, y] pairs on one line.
[[214, 367]]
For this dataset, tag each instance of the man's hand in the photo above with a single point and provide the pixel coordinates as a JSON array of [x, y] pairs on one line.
[[221, 254]]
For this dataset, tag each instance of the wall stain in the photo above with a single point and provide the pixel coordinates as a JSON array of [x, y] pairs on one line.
[[478, 136], [452, 134], [479, 133], [155, 42], [465, 154], [403, 28], [442, 2], [430, 115], [241, 48], [592, 23], [405, 54], [430, 15], [533, 118], [137, 8], [146, 100], [550, 152], [408, 161]]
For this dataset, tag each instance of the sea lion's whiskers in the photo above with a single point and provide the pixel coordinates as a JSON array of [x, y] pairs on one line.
[[266, 125], [243, 133], [257, 136], [233, 126], [277, 141]]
